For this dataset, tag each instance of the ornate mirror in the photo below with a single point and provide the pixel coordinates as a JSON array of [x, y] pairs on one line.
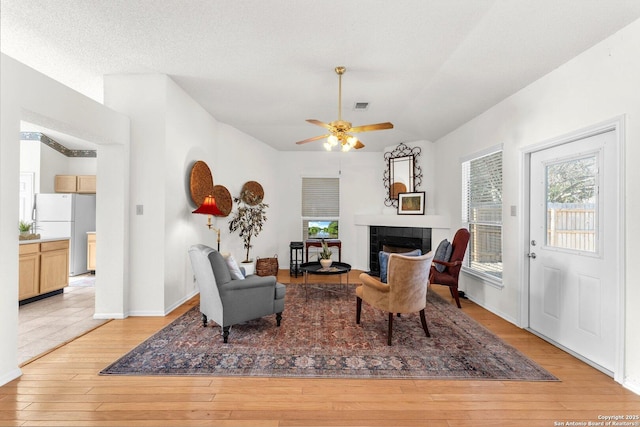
[[402, 174]]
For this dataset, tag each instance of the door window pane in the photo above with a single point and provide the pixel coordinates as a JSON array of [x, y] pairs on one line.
[[572, 199]]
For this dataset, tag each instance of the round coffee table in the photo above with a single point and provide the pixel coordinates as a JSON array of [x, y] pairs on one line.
[[315, 268]]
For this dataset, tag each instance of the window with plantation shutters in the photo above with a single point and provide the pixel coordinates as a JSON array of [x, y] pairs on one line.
[[482, 214], [320, 206]]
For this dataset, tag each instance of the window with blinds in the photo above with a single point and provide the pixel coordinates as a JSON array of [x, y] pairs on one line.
[[482, 214], [320, 207]]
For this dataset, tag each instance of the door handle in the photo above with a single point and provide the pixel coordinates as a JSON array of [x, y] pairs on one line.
[[532, 255]]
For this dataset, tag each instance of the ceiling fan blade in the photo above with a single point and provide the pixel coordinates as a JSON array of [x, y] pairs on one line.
[[315, 138], [358, 145], [319, 123], [367, 128]]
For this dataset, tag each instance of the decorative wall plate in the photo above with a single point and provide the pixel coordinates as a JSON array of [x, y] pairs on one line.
[[200, 183], [253, 188], [397, 188], [223, 199]]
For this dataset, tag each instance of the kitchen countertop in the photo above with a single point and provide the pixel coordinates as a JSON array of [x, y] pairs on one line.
[[52, 239]]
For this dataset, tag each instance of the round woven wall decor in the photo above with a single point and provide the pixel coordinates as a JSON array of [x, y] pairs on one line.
[[255, 189], [396, 189], [223, 199], [200, 182]]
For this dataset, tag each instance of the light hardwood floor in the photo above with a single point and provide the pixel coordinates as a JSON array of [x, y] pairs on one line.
[[63, 388]]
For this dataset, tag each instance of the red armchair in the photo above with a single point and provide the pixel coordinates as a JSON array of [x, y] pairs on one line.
[[449, 277]]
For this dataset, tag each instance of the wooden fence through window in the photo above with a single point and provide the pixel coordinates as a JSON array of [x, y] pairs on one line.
[[572, 228]]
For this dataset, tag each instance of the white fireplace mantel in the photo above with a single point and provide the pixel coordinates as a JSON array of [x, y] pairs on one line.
[[424, 221]]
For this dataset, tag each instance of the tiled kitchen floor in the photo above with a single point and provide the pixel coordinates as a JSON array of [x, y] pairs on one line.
[[44, 325]]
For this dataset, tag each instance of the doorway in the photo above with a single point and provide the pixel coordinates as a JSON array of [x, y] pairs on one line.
[[575, 285], [47, 323]]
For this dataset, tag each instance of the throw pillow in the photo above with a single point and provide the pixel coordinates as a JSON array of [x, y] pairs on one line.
[[443, 253], [236, 273], [383, 260]]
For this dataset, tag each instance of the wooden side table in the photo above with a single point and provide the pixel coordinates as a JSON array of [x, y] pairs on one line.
[[318, 243]]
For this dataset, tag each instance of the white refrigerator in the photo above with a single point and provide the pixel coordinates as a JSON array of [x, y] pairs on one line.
[[67, 215]]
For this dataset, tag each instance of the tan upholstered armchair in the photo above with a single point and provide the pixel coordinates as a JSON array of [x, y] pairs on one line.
[[404, 292]]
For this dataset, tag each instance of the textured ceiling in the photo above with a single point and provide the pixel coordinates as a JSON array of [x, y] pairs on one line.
[[265, 66]]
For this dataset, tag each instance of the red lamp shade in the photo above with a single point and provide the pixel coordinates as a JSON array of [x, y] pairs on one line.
[[208, 207]]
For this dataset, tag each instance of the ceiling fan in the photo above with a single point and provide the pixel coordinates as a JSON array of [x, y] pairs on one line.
[[340, 130]]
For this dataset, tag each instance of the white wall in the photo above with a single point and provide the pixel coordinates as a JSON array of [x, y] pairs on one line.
[[596, 86], [142, 98], [362, 192], [82, 166], [52, 163], [361, 189], [241, 158], [27, 94], [47, 163], [30, 161], [169, 132], [233, 158]]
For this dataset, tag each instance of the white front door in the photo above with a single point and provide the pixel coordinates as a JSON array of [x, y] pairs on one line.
[[573, 282]]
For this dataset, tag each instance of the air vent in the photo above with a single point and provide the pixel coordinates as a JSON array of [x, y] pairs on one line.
[[361, 106]]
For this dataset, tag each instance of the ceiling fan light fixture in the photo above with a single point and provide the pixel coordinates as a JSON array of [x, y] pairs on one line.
[[340, 130]]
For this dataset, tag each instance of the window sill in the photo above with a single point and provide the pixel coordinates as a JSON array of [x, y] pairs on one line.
[[484, 278]]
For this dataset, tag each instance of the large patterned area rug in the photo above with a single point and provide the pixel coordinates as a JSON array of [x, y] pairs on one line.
[[320, 338]]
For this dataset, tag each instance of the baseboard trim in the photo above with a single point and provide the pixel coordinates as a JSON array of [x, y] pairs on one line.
[[180, 302], [632, 386], [107, 316], [10, 376], [492, 310]]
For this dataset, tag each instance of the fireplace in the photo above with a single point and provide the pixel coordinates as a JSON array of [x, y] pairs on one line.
[[396, 239]]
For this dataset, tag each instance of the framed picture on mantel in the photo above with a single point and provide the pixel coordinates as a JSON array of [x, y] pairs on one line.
[[411, 203]]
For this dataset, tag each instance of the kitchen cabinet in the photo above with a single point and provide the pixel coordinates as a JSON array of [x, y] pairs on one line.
[[65, 184], [44, 268], [54, 265], [29, 271], [91, 251], [75, 184], [86, 184]]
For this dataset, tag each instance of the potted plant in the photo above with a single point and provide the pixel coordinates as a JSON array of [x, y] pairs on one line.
[[248, 219], [325, 255], [26, 229]]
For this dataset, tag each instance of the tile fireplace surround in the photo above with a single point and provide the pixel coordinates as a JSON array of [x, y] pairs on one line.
[[423, 232]]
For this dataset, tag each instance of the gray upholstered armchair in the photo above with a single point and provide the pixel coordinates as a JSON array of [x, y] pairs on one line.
[[228, 301]]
